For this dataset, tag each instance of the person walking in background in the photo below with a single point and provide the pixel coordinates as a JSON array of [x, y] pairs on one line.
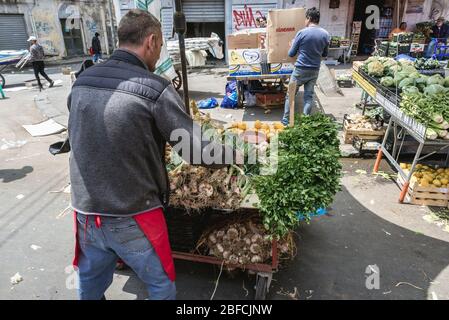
[[311, 44], [96, 47], [37, 60]]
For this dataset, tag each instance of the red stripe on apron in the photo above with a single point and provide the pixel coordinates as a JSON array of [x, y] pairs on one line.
[[153, 225], [77, 244]]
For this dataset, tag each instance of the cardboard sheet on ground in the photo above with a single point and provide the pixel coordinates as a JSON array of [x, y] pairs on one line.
[[45, 128]]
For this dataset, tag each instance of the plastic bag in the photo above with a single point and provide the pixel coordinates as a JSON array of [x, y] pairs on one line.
[[208, 103], [250, 99], [230, 101]]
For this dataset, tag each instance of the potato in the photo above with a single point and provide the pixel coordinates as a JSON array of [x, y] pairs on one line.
[[424, 183], [258, 124], [436, 183]]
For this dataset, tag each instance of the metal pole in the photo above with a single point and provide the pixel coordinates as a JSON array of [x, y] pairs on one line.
[[112, 24], [180, 26]]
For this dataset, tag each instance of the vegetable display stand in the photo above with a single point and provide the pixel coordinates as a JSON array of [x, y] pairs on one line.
[[399, 122], [264, 271], [368, 87]]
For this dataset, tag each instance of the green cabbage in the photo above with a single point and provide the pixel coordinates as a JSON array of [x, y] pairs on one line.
[[408, 69], [398, 77], [407, 82], [391, 71], [446, 82], [414, 75], [435, 79], [434, 89], [411, 89], [387, 82]]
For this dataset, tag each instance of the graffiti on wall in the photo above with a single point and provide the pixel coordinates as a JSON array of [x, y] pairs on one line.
[[43, 27], [49, 47], [91, 26], [245, 16]]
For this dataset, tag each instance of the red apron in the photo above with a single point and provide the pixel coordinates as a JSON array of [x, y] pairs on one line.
[[152, 224]]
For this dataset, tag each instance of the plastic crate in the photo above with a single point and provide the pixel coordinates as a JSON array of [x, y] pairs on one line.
[[345, 83], [184, 228]]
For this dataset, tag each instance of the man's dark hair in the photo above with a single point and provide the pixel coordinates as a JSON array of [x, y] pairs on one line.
[[97, 34], [313, 14], [403, 23], [135, 26]]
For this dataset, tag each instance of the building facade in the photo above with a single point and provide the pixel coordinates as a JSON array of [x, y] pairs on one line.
[[64, 28]]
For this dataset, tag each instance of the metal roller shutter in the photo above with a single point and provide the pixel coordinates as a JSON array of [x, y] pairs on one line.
[[204, 10], [13, 32]]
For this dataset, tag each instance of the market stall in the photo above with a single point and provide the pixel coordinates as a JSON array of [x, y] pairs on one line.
[[259, 62], [244, 216], [417, 105]]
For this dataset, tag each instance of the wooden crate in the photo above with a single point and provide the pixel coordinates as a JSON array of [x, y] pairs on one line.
[[364, 134], [270, 100], [425, 196]]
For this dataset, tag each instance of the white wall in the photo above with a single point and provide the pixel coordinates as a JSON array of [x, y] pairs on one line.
[[413, 18], [335, 21]]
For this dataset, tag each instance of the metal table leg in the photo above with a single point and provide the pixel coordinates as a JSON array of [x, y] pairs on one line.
[[410, 174], [384, 142]]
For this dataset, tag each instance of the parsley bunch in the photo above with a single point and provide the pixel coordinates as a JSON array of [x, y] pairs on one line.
[[307, 177]]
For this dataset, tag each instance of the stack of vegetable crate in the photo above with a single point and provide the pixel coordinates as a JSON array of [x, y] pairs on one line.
[[364, 133], [426, 194]]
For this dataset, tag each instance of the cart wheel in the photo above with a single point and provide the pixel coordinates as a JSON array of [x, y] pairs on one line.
[[177, 82], [261, 287], [2, 80]]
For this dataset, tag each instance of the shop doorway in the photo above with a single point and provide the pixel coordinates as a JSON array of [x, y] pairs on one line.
[[367, 36], [73, 39], [204, 29]]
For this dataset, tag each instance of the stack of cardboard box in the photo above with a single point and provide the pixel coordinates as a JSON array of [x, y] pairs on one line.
[[265, 51]]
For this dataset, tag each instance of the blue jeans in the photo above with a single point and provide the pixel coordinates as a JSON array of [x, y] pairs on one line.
[[96, 57], [308, 79], [431, 48], [100, 249]]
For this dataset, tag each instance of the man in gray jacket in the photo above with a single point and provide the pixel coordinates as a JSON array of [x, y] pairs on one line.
[[121, 116], [37, 60]]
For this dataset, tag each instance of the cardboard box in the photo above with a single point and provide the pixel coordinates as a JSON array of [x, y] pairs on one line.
[[243, 41], [246, 56], [270, 99], [245, 70], [282, 68], [283, 25], [247, 39]]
